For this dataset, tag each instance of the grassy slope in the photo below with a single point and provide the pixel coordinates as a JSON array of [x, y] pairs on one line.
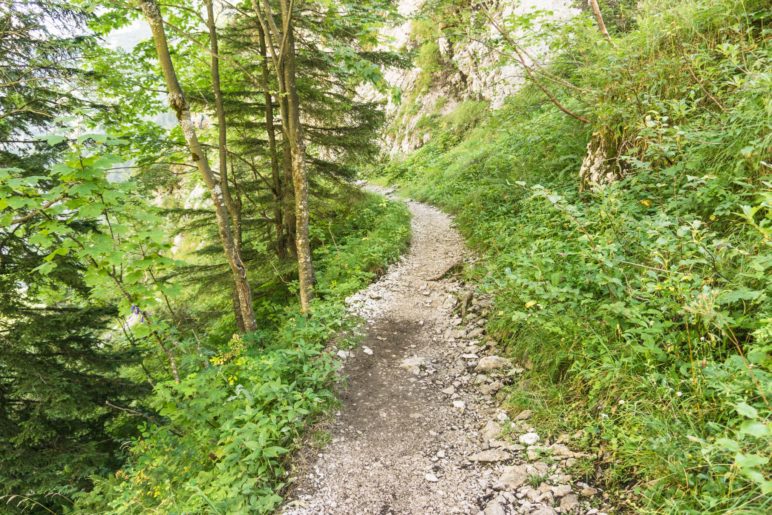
[[231, 425], [642, 311]]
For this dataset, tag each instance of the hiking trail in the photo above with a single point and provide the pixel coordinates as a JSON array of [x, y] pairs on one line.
[[419, 430]]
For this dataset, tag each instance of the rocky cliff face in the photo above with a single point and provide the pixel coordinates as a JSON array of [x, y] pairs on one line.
[[460, 59]]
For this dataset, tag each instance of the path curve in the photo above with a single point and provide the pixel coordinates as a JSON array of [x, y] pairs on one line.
[[418, 426]]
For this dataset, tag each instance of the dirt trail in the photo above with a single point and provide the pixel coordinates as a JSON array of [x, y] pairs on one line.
[[418, 431]]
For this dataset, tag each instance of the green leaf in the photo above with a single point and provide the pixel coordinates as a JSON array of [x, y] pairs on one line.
[[749, 461], [746, 410], [40, 239], [274, 451], [754, 428], [46, 268], [728, 444], [53, 139], [732, 296], [140, 330]]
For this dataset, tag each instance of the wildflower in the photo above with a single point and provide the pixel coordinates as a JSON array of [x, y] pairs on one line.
[[679, 394]]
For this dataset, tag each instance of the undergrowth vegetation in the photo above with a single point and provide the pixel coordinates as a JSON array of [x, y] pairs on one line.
[[641, 310], [229, 428]]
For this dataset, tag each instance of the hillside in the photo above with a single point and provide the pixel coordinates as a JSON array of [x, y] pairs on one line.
[[628, 254], [489, 257]]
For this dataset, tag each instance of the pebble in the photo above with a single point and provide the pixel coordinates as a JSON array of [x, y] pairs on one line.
[[490, 455], [569, 503], [494, 508], [529, 438], [491, 431], [512, 478], [414, 364], [489, 363]]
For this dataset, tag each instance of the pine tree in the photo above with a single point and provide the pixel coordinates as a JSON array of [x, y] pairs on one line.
[[61, 392]]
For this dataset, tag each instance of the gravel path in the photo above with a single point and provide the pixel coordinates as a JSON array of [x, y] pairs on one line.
[[419, 431]]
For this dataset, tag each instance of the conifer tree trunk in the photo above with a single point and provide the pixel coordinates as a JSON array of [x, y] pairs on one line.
[[299, 177], [222, 148], [270, 128], [289, 193], [282, 46], [180, 106]]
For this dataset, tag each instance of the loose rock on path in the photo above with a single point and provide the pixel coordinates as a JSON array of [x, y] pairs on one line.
[[419, 431]]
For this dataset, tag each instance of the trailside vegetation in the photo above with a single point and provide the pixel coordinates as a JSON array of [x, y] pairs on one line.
[[639, 307], [162, 330]]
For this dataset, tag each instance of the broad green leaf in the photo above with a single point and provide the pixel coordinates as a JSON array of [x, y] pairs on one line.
[[746, 410], [754, 428]]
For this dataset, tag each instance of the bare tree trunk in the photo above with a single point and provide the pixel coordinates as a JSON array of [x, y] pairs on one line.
[[180, 105], [270, 128], [599, 19]]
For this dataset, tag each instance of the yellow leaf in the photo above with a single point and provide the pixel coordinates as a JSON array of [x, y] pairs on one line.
[[530, 304], [646, 202]]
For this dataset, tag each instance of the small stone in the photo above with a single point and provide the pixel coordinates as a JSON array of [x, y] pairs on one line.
[[413, 364], [588, 491], [489, 363], [490, 456], [459, 405], [512, 478], [529, 438], [494, 508], [450, 390], [561, 451], [367, 350], [490, 389], [343, 354], [534, 452], [569, 503], [431, 478], [544, 510], [532, 494], [561, 490], [491, 431], [524, 415], [475, 333], [440, 453]]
